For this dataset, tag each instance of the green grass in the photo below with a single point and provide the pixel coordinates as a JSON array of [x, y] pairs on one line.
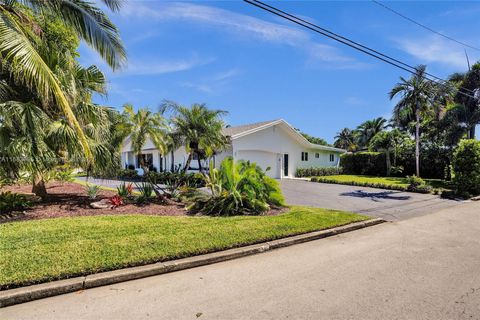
[[392, 181], [43, 250]]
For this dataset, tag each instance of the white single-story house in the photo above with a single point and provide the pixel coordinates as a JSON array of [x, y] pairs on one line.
[[270, 144]]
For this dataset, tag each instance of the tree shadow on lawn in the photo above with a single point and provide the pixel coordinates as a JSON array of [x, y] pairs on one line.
[[375, 196]]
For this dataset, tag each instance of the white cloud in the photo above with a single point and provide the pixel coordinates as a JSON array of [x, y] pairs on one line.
[[243, 25], [160, 66], [435, 49], [212, 83]]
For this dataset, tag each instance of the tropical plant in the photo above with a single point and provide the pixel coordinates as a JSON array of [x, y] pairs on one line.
[[116, 201], [145, 124], [345, 139], [240, 188], [199, 129], [368, 129], [416, 101], [146, 190], [92, 191], [12, 202], [125, 190], [21, 48], [315, 140], [467, 98]]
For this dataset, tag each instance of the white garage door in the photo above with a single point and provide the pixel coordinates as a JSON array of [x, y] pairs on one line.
[[262, 159]]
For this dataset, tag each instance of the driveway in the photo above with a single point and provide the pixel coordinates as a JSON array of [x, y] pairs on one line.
[[420, 268], [387, 204]]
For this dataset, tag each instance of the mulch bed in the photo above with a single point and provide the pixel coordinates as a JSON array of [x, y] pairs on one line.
[[70, 200]]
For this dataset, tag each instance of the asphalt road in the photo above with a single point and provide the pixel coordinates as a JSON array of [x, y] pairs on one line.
[[387, 204], [420, 268]]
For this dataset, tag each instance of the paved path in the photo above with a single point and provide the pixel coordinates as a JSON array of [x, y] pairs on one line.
[[387, 204], [420, 268]]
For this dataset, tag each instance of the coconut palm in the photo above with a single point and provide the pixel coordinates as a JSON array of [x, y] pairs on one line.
[[467, 108], [368, 129], [345, 139], [20, 36], [200, 130], [145, 124], [416, 100]]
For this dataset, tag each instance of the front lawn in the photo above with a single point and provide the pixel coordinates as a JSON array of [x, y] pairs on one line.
[[49, 249], [373, 181]]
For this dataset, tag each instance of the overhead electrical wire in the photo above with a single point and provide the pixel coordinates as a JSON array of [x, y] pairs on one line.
[[424, 26], [362, 48]]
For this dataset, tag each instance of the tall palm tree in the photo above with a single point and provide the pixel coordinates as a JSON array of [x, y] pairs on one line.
[[145, 124], [415, 101], [368, 129], [200, 129], [19, 52], [345, 139], [467, 99]]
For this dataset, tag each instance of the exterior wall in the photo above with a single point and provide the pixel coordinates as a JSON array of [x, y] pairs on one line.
[[322, 161], [278, 142]]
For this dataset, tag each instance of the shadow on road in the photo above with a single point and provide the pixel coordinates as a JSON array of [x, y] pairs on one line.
[[375, 196]]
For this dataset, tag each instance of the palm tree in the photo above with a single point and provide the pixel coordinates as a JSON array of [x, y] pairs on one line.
[[467, 109], [200, 130], [145, 124], [345, 139], [19, 51], [368, 129], [415, 101]]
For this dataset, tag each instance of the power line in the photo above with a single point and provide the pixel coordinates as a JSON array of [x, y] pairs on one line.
[[424, 26], [367, 50]]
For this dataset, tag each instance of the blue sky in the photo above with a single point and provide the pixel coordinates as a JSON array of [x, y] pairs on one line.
[[235, 57]]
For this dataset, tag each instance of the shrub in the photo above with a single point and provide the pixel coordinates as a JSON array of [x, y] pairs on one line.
[[317, 171], [124, 190], [116, 201], [466, 168], [414, 181], [146, 192], [64, 176], [240, 188], [364, 163], [194, 180], [92, 191], [12, 202], [128, 174]]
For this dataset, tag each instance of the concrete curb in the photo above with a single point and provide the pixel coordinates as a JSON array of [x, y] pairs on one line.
[[44, 290]]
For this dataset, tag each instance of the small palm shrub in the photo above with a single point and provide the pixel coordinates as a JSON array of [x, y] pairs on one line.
[[63, 176], [124, 190], [12, 202], [92, 191], [466, 168], [240, 188]]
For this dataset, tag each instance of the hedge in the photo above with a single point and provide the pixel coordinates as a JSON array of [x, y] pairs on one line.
[[417, 189], [364, 163], [317, 171], [466, 168]]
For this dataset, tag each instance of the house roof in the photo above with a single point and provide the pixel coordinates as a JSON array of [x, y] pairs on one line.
[[243, 130], [233, 131]]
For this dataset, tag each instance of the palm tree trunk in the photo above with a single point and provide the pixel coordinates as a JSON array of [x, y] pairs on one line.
[[471, 133], [172, 165], [38, 186], [200, 168], [417, 141], [187, 165], [389, 165]]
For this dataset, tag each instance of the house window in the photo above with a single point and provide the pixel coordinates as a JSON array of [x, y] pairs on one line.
[[332, 157], [317, 155], [304, 156]]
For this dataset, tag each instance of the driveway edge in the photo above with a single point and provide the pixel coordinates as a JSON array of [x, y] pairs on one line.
[[44, 290]]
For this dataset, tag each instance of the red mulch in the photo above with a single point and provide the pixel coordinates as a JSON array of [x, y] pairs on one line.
[[70, 200]]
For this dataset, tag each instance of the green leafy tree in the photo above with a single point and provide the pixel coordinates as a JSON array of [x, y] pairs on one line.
[[199, 129], [416, 99], [467, 101], [314, 140], [21, 47], [345, 139], [145, 124], [368, 129], [466, 168]]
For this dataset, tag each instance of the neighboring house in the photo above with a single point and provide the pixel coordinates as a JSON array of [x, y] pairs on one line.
[[271, 144]]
